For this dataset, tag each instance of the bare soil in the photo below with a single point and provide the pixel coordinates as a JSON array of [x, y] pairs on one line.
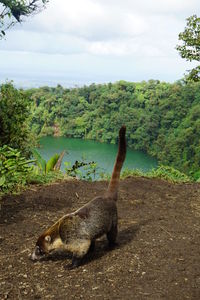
[[158, 252]]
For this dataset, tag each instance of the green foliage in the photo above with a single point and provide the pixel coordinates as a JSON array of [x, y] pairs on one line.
[[14, 170], [39, 161], [12, 11], [82, 170], [190, 48], [135, 172], [169, 174], [14, 119], [39, 178], [196, 176], [163, 172], [44, 166], [52, 162]]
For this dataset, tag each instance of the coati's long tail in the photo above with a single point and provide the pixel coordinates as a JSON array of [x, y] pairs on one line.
[[114, 182]]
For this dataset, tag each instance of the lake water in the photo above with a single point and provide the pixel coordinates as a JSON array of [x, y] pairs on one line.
[[103, 154]]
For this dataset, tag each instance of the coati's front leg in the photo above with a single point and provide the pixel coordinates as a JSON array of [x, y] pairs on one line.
[[79, 250], [92, 247], [112, 236]]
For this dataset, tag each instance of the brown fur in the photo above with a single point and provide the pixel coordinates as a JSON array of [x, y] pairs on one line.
[[76, 232]]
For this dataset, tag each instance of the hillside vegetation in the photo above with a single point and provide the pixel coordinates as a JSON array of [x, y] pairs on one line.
[[162, 119]]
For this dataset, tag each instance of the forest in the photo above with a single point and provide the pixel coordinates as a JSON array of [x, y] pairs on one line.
[[162, 119]]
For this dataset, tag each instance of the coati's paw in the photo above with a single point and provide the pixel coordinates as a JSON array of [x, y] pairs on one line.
[[69, 267], [112, 245], [76, 262]]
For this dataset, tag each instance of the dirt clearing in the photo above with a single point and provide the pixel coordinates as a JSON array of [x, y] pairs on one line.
[[158, 252]]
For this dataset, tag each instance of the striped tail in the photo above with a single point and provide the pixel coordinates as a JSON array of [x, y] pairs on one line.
[[114, 182]]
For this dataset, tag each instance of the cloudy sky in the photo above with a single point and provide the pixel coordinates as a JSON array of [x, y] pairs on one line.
[[83, 41]]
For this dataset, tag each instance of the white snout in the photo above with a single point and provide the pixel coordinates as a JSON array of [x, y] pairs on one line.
[[34, 256]]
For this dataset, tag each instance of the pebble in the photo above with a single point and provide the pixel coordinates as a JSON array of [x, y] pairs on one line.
[[143, 273], [130, 270]]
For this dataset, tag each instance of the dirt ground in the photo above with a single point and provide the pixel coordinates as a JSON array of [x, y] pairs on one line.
[[158, 252]]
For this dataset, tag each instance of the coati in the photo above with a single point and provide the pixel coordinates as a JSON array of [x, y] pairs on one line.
[[76, 232]]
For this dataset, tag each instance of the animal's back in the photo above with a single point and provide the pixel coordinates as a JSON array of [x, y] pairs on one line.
[[97, 217]]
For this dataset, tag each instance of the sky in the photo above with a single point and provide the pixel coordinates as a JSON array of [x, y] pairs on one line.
[[76, 42]]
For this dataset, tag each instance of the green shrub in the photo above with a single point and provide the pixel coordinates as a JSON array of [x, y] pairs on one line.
[[169, 174], [162, 172], [14, 170]]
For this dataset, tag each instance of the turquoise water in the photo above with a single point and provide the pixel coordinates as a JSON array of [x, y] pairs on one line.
[[103, 154]]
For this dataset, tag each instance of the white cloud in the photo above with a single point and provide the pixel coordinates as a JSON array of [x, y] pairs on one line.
[[88, 19], [92, 34], [156, 6], [34, 41]]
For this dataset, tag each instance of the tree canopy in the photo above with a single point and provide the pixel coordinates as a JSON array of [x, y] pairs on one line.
[[162, 119], [190, 47], [13, 11]]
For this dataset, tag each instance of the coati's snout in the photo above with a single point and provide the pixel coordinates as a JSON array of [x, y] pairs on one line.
[[41, 248], [37, 254]]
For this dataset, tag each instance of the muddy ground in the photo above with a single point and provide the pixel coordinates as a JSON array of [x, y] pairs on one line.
[[158, 252]]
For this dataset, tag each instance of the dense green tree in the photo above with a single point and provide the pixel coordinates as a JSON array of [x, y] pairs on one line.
[[190, 47], [14, 119]]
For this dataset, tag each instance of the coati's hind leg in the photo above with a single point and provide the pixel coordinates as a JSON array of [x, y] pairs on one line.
[[79, 249], [112, 235]]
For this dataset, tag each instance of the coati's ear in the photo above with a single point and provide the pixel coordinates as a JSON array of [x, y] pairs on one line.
[[48, 238]]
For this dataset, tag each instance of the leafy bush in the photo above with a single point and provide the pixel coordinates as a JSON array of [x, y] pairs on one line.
[[14, 169], [169, 174], [162, 172]]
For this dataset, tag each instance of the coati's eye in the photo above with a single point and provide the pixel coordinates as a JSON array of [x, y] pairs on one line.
[[48, 238]]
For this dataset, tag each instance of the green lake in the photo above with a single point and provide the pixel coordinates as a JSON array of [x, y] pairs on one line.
[[103, 154]]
